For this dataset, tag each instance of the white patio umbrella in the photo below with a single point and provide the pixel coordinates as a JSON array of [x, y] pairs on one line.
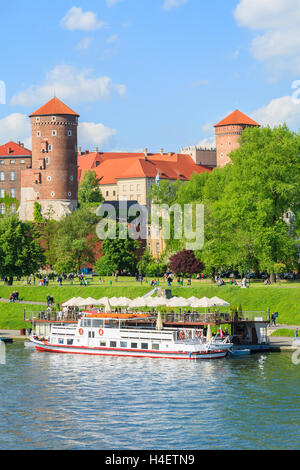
[[120, 302], [107, 306], [112, 300], [159, 323], [219, 302], [209, 333], [68, 303], [139, 302], [156, 302], [178, 302], [86, 302], [102, 301], [205, 302], [193, 299]]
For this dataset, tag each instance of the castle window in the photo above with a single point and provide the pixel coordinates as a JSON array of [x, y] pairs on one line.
[[69, 133], [12, 162], [49, 178], [12, 192], [2, 176], [53, 119], [38, 119], [2, 193], [52, 194], [50, 148], [47, 160], [71, 178], [38, 134], [2, 162], [69, 194], [22, 161], [2, 209], [12, 176], [54, 133]]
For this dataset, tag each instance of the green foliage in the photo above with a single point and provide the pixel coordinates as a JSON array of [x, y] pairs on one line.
[[105, 266], [37, 212], [20, 252], [120, 252], [89, 190], [11, 204], [75, 241]]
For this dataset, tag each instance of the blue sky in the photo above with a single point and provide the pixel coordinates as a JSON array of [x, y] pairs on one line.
[[149, 73]]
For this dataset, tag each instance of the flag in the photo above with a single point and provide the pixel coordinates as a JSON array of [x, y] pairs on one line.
[[221, 332]]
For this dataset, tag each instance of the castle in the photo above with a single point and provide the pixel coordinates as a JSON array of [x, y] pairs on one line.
[[49, 175]]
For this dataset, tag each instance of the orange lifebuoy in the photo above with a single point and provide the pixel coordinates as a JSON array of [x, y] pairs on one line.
[[101, 332], [182, 335], [198, 334], [81, 331]]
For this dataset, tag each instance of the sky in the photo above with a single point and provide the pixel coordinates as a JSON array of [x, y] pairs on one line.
[[149, 73]]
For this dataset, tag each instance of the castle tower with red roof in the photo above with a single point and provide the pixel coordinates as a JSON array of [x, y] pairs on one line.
[[228, 132], [52, 181]]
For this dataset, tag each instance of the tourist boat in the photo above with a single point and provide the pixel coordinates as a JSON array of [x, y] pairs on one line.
[[217, 342], [135, 335]]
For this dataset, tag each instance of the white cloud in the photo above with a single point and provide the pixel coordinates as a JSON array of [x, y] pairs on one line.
[[278, 42], [84, 44], [208, 143], [15, 127], [77, 19], [277, 112], [169, 4], [70, 84], [112, 39], [90, 133], [112, 3]]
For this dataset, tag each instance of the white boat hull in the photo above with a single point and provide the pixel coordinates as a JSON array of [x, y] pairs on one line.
[[42, 346]]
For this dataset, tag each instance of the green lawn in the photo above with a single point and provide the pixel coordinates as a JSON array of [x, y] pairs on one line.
[[284, 332], [284, 299]]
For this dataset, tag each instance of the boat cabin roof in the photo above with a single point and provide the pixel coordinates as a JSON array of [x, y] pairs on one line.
[[118, 316]]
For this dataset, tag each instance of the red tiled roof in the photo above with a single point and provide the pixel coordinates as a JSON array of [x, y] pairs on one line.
[[12, 149], [237, 117], [110, 167], [54, 107]]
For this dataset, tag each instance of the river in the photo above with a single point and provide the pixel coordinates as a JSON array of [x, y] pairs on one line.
[[70, 402]]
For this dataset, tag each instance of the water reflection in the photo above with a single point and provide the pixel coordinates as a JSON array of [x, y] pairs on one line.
[[51, 401]]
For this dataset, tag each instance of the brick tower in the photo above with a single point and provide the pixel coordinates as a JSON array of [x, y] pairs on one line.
[[52, 181], [228, 131]]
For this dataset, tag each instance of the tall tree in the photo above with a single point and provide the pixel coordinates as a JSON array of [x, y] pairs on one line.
[[89, 190], [75, 241], [185, 263], [20, 252]]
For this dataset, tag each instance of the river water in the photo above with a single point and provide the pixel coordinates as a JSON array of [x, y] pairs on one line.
[[68, 402]]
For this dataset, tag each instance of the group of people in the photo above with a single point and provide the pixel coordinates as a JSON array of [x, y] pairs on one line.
[[50, 300], [14, 296]]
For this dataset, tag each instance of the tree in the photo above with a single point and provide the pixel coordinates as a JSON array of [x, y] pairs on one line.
[[20, 252], [105, 267], [37, 212], [185, 263], [121, 253], [75, 241], [89, 191]]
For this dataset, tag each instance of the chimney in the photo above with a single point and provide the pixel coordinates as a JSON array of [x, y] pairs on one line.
[[170, 154], [79, 150], [96, 149], [161, 151], [145, 154]]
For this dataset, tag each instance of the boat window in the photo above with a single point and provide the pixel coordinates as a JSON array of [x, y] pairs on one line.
[[70, 342], [102, 343], [113, 344], [91, 334], [86, 322], [123, 344], [144, 345], [155, 346], [134, 345], [60, 341], [97, 323], [110, 324]]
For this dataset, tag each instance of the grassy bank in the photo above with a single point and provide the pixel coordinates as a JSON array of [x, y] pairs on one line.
[[284, 332], [285, 300]]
